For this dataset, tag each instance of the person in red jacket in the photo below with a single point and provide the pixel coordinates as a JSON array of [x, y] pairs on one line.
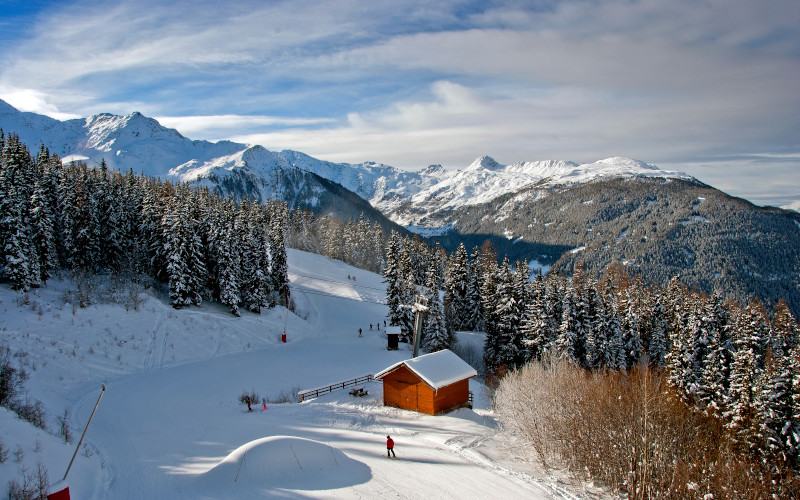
[[390, 447]]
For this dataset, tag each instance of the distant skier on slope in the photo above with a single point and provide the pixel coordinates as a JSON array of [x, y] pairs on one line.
[[247, 400], [390, 447], [264, 403]]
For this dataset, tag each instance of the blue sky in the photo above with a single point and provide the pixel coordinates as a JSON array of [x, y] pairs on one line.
[[706, 87]]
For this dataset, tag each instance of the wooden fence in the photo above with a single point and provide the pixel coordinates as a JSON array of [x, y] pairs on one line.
[[315, 393]]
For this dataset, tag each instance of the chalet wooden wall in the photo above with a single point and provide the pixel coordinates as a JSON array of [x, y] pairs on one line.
[[451, 396], [404, 389]]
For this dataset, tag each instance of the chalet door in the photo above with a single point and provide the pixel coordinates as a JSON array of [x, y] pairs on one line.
[[408, 396]]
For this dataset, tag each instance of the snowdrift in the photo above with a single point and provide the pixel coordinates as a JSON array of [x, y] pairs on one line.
[[285, 462]]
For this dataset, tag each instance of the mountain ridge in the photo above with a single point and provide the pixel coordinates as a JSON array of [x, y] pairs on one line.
[[143, 144]]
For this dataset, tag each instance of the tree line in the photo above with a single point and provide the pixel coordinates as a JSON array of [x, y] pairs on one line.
[[91, 220], [739, 364]]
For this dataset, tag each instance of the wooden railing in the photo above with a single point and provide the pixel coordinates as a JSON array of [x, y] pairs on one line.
[[315, 393]]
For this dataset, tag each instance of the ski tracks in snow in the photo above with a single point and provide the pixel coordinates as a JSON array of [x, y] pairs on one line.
[[149, 356], [467, 447]]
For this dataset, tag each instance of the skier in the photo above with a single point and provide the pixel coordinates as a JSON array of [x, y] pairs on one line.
[[264, 403], [370, 327], [359, 332], [390, 447], [379, 325], [247, 400]]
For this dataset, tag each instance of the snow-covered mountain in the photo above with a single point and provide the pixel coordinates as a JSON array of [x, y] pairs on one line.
[[141, 144], [421, 197], [485, 180]]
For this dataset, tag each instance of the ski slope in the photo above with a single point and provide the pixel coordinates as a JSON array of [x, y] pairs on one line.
[[170, 424]]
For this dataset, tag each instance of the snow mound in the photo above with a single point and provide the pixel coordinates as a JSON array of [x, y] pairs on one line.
[[286, 462]]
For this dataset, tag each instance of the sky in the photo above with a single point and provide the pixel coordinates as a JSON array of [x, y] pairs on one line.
[[704, 87]]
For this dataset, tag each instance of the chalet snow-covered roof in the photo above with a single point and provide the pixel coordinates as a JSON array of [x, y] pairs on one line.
[[437, 369]]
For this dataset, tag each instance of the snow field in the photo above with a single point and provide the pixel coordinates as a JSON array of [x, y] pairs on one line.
[[170, 426]]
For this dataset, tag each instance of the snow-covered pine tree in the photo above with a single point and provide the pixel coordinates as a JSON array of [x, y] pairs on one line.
[[566, 344], [436, 336], [43, 216], [391, 276], [185, 268], [657, 347], [279, 271], [716, 373], [408, 293], [785, 328], [749, 340], [228, 258], [508, 316], [248, 260], [775, 410], [613, 353], [474, 319], [456, 288], [595, 327], [677, 358], [535, 325], [631, 329], [490, 298], [19, 263]]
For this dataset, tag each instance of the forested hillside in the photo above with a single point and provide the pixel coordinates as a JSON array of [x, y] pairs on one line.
[[657, 228]]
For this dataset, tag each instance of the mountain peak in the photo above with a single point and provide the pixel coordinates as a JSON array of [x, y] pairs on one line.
[[484, 162], [432, 170]]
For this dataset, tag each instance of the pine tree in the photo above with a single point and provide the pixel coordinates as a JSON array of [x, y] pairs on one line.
[[613, 354], [435, 333], [456, 290], [716, 373], [632, 335], [474, 317], [535, 325], [279, 273], [19, 262], [567, 343], [657, 347], [227, 265], [748, 363], [775, 415], [507, 315], [392, 278]]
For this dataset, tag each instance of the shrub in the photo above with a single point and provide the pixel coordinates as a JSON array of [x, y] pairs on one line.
[[629, 432], [286, 396], [254, 397], [32, 412], [32, 485], [63, 426]]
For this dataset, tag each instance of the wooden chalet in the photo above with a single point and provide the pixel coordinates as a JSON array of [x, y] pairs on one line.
[[434, 383]]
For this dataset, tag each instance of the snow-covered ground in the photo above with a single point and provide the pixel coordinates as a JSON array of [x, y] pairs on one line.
[[170, 425]]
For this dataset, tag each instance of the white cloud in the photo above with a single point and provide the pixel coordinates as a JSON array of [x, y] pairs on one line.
[[33, 101], [223, 126], [665, 82]]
